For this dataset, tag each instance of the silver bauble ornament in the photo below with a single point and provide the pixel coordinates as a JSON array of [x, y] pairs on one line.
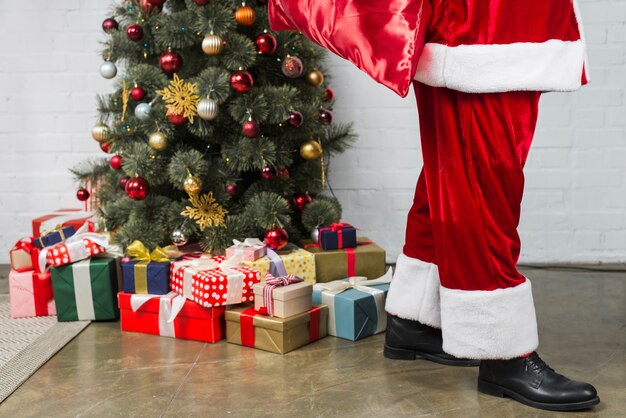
[[315, 234], [208, 109], [143, 111], [178, 238], [108, 70]]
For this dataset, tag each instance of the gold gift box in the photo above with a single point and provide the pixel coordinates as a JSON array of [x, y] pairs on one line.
[[278, 335], [369, 261], [299, 262]]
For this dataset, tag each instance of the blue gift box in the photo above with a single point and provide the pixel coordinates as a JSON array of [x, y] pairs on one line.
[[337, 236], [54, 237], [354, 314], [146, 277]]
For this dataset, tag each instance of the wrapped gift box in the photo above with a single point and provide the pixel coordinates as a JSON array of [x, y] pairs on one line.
[[24, 255], [298, 262], [86, 290], [336, 236], [250, 249], [367, 259], [64, 217], [82, 245], [245, 326], [146, 277], [356, 306], [51, 238], [287, 300], [30, 294], [171, 315], [212, 281]]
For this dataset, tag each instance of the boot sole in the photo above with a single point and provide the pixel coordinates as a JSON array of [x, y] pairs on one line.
[[501, 392], [405, 354]]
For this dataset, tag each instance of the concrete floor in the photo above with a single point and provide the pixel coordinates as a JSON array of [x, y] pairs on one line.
[[105, 372]]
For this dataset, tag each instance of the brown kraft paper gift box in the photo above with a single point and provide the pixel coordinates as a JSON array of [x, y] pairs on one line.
[[288, 300], [244, 326], [367, 259]]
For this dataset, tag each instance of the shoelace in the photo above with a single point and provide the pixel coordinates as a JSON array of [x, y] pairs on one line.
[[536, 363]]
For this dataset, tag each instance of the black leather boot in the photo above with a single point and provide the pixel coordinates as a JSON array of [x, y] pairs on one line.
[[410, 340], [532, 382]]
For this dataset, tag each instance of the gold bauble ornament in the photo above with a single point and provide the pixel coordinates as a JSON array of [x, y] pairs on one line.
[[212, 44], [311, 150], [157, 141], [192, 185], [245, 15], [101, 133], [315, 78]]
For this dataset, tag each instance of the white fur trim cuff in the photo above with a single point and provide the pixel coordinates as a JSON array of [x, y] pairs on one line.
[[495, 324], [414, 291], [553, 65]]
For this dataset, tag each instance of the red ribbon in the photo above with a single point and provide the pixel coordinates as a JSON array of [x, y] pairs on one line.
[[247, 327], [336, 227], [27, 244], [42, 293], [351, 262], [314, 325]]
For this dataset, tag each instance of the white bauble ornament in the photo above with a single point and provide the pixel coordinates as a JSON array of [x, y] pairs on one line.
[[143, 111], [208, 109], [108, 70]]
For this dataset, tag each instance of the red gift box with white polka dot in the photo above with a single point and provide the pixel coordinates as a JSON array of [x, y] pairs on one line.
[[63, 254], [210, 288]]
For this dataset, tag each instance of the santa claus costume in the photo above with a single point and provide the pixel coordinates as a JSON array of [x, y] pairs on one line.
[[478, 68]]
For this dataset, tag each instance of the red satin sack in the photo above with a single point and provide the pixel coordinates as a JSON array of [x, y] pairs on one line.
[[382, 38]]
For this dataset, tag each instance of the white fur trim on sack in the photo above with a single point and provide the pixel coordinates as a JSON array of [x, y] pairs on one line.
[[494, 324], [553, 65], [414, 291]]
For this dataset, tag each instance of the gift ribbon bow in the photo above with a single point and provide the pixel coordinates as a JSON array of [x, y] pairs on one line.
[[235, 282], [75, 244], [27, 244], [170, 306], [272, 283], [138, 251], [255, 243]]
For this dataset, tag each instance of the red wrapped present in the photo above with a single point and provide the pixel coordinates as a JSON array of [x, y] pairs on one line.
[[78, 247], [24, 255], [30, 294], [170, 315], [213, 281], [63, 217]]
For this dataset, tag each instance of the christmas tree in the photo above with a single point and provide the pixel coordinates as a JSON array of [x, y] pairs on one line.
[[218, 129]]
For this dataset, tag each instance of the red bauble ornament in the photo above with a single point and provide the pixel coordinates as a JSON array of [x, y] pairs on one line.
[[329, 94], [202, 2], [266, 44], [171, 62], [241, 81], [148, 7], [109, 24], [104, 146], [176, 119], [326, 116], [268, 172], [284, 174], [123, 181], [134, 32], [137, 93], [296, 118], [82, 194], [251, 129], [300, 201], [116, 162], [232, 190], [137, 188], [276, 238]]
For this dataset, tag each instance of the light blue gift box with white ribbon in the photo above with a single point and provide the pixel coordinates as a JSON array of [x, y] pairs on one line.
[[356, 305]]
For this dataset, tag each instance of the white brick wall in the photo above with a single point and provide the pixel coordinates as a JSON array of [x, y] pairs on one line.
[[575, 203]]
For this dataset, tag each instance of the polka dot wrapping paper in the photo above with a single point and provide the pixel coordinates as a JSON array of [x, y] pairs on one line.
[[216, 286], [66, 253]]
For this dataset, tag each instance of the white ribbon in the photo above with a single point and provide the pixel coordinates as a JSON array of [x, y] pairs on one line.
[[234, 283], [75, 246], [170, 306], [82, 291], [360, 283], [64, 216], [239, 247]]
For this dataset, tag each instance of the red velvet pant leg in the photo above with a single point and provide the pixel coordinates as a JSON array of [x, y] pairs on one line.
[[474, 148]]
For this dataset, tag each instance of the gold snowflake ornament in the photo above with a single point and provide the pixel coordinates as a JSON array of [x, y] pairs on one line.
[[181, 97], [205, 211]]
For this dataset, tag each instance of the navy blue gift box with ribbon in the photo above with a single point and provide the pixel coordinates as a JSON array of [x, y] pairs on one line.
[[336, 236], [54, 237]]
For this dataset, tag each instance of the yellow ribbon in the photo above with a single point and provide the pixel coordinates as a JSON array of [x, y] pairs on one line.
[[139, 251]]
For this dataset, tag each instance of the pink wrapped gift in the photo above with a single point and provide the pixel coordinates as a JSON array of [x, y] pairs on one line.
[[250, 249], [213, 281], [65, 217], [78, 247], [24, 255], [30, 294]]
